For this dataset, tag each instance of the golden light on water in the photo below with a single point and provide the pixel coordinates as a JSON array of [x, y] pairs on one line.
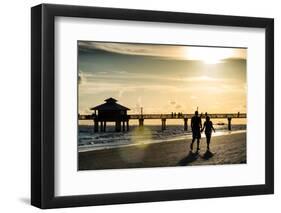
[[137, 139], [137, 136]]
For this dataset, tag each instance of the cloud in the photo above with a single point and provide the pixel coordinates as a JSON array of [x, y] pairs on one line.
[[122, 75], [176, 52], [175, 105], [132, 49], [178, 106], [102, 72], [85, 111], [137, 108], [120, 94], [172, 102], [124, 90]]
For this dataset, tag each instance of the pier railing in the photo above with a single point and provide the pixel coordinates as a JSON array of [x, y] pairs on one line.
[[164, 117], [182, 116], [174, 116]]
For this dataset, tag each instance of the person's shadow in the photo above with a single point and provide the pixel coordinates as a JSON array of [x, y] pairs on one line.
[[188, 159], [207, 155]]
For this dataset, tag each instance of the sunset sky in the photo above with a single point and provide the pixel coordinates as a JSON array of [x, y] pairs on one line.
[[162, 78]]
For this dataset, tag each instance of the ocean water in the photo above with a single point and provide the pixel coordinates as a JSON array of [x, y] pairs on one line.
[[90, 140]]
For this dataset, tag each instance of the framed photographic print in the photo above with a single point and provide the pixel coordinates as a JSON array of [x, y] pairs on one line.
[[139, 106]]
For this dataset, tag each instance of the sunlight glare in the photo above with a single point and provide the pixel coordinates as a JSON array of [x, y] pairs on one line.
[[208, 55]]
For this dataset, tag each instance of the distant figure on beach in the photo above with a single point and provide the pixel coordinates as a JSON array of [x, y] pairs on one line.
[[208, 126], [196, 125]]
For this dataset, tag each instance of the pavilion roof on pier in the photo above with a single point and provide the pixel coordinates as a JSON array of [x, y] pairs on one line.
[[110, 105]]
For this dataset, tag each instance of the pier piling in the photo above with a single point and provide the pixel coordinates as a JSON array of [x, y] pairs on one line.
[[96, 125], [100, 126], [118, 126], [163, 123], [185, 124], [141, 122], [127, 124], [229, 123]]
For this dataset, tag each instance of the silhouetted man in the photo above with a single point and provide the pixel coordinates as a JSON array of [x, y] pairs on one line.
[[196, 125]]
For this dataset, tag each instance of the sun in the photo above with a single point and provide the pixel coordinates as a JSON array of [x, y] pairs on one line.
[[209, 55]]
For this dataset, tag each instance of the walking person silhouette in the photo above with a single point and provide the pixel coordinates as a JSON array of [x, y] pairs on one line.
[[208, 126], [196, 125]]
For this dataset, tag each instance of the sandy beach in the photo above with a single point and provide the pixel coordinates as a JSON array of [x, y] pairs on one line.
[[226, 149]]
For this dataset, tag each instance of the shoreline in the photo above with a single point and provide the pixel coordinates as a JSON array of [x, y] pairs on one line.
[[228, 149], [185, 137]]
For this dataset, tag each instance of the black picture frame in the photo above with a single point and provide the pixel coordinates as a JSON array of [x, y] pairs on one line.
[[43, 102]]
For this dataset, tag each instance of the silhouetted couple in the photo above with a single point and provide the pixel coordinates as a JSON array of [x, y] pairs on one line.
[[196, 126]]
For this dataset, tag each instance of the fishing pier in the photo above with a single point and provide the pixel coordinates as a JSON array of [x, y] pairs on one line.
[[114, 112]]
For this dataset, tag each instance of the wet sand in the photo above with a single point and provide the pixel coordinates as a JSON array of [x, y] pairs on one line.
[[226, 149]]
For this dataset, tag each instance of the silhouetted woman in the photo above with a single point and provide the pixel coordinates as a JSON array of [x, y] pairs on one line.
[[208, 126]]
